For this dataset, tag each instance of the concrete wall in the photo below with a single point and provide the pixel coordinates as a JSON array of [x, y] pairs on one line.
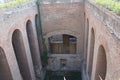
[[106, 28], [64, 17]]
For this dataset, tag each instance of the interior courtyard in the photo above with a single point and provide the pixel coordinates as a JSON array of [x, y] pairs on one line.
[[58, 40]]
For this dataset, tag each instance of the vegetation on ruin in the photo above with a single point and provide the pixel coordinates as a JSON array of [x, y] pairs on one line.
[[110, 4], [12, 3]]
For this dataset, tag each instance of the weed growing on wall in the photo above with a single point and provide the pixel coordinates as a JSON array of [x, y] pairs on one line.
[[12, 3], [110, 4]]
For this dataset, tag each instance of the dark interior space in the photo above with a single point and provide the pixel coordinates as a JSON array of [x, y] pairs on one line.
[[63, 75]]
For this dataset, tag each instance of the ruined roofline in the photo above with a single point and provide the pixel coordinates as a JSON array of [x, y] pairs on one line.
[[59, 1]]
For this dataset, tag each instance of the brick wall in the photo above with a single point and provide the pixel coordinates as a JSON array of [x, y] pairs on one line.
[[106, 27], [64, 18]]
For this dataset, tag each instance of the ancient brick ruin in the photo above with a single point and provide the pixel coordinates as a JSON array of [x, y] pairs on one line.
[[79, 36]]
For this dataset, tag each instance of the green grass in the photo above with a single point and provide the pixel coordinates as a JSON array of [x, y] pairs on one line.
[[12, 3], [110, 4]]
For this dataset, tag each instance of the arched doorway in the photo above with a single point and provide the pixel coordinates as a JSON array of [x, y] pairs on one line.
[[4, 67], [19, 49], [101, 65], [91, 52], [62, 44]]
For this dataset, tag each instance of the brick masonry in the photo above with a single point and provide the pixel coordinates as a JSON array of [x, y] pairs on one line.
[[64, 17], [10, 20], [106, 27]]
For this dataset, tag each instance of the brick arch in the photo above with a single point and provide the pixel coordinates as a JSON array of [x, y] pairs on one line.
[[31, 41], [31, 18], [20, 54], [38, 32], [22, 29], [33, 44], [100, 41], [27, 19], [91, 51], [9, 39], [103, 42], [18, 27], [35, 13], [68, 32], [94, 28], [12, 29], [5, 73], [101, 65]]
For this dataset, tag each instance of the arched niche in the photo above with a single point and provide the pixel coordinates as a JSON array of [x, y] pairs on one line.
[[38, 31], [91, 52], [20, 53], [101, 65], [5, 73]]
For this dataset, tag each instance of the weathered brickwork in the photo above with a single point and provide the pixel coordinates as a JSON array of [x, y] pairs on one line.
[[16, 19], [64, 18], [97, 31], [106, 29]]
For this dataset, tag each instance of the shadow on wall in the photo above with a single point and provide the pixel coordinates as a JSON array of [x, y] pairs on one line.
[[20, 54], [4, 69], [101, 64]]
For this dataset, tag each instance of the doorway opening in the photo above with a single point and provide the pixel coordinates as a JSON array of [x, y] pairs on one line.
[[62, 44]]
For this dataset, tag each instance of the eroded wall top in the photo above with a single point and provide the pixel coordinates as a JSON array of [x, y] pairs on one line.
[[6, 13], [59, 1]]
